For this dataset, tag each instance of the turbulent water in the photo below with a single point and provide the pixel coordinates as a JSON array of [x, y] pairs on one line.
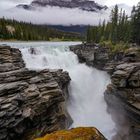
[[86, 104]]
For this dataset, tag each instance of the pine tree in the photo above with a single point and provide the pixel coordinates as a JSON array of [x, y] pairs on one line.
[[114, 21], [135, 22], [89, 34], [120, 28], [28, 31]]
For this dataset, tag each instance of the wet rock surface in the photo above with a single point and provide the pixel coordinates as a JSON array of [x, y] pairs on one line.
[[31, 102], [123, 94]]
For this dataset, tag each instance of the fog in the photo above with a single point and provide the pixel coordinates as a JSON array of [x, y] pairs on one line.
[[52, 15], [56, 15]]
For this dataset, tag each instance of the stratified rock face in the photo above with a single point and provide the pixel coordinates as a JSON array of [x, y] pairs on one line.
[[123, 94], [92, 54], [31, 102], [102, 58], [125, 85], [10, 59], [75, 134], [86, 5]]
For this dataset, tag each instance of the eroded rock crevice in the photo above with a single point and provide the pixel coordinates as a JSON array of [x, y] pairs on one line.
[[123, 94]]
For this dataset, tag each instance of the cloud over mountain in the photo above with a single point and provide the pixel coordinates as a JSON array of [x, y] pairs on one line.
[[51, 15]]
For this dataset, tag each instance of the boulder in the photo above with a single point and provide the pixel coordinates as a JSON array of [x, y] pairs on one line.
[[132, 54], [127, 75]]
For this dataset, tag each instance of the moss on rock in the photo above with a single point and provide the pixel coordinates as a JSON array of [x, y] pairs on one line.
[[88, 133]]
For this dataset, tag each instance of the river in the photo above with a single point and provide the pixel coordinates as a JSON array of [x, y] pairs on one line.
[[86, 104]]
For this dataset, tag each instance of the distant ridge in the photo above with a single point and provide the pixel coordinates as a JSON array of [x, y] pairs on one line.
[[86, 5]]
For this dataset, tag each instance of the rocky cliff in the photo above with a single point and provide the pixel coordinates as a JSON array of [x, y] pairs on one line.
[[97, 56], [123, 94], [91, 54], [31, 102]]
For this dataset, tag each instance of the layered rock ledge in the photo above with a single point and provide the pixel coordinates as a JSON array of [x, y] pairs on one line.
[[123, 94], [97, 56], [32, 103], [89, 133]]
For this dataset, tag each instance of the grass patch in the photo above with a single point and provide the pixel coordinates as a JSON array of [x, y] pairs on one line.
[[115, 48]]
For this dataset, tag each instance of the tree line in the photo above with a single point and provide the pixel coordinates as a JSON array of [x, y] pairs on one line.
[[120, 28], [12, 29]]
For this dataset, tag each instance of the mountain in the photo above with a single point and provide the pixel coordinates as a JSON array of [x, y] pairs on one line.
[[86, 5], [71, 28]]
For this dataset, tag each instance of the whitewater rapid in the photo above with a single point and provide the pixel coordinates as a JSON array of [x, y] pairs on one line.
[[86, 104]]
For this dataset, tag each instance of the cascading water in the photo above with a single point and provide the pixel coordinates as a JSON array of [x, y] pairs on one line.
[[86, 104]]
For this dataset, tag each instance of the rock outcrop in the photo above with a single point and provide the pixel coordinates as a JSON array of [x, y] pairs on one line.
[[75, 134], [31, 102], [97, 56], [92, 54], [123, 94]]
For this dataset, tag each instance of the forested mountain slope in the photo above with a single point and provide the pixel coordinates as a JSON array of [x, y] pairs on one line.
[[12, 29]]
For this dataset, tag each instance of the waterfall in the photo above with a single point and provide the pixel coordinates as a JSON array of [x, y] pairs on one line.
[[86, 104]]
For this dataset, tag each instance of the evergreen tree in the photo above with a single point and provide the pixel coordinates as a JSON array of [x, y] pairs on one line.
[[28, 31], [135, 22], [89, 35], [120, 28], [114, 21]]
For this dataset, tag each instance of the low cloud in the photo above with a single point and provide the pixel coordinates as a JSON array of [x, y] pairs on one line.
[[52, 15], [56, 16]]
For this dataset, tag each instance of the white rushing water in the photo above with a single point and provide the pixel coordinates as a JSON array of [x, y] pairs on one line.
[[86, 104]]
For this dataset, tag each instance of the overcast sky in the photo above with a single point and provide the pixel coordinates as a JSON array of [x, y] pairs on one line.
[[66, 16], [106, 2], [113, 2]]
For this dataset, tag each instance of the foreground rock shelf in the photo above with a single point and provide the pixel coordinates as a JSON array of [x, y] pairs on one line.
[[75, 134], [123, 94], [31, 102]]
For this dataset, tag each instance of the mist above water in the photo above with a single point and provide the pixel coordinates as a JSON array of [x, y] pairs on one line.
[[86, 104]]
